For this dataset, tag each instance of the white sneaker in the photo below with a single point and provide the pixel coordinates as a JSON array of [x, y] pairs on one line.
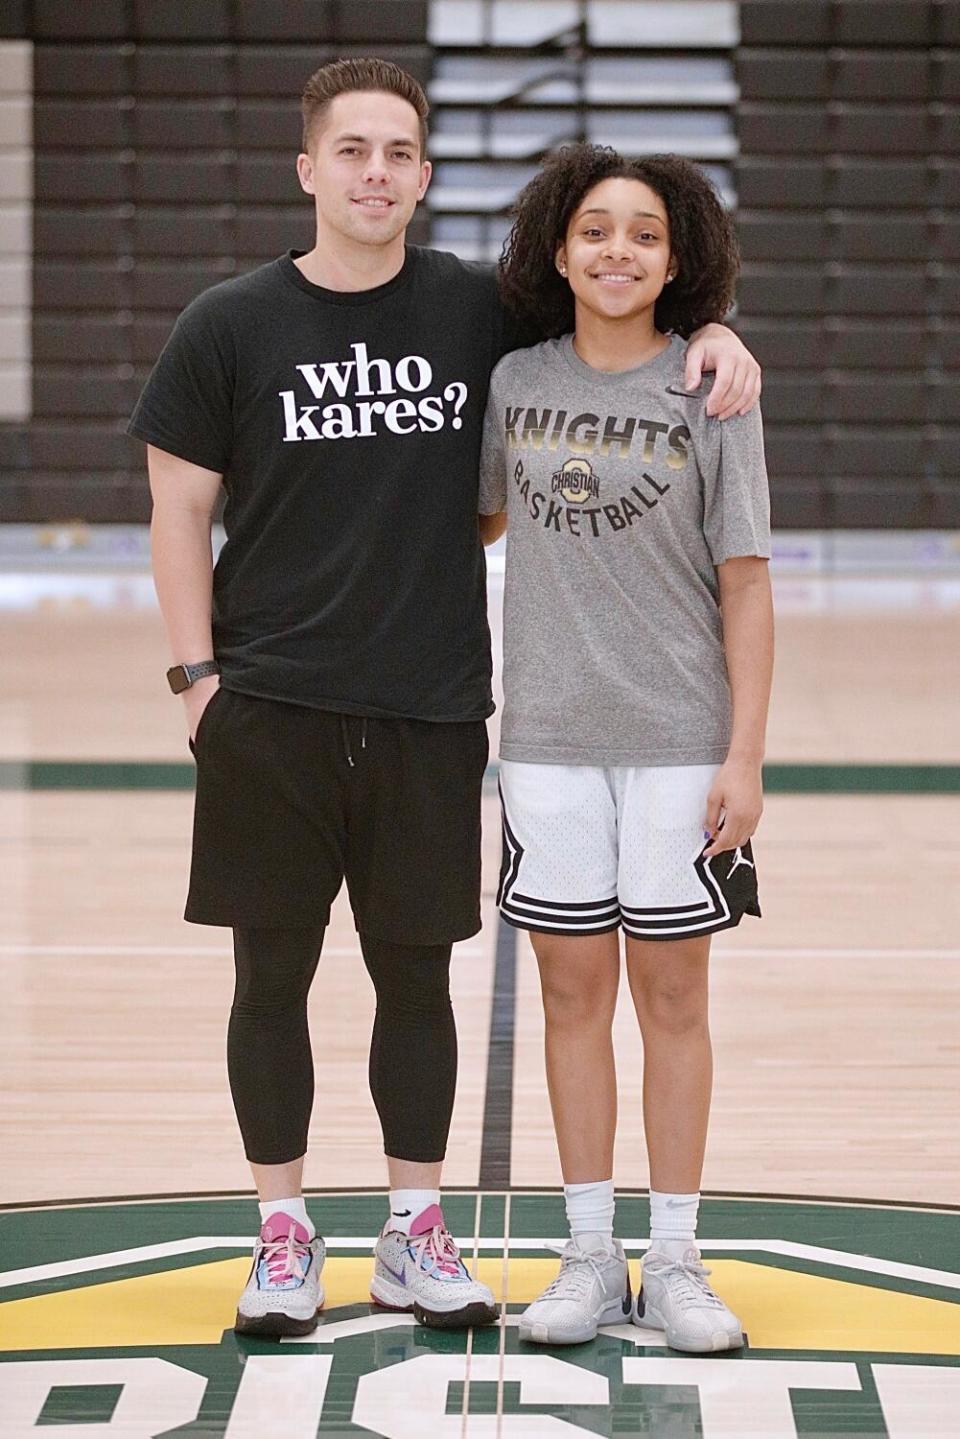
[[592, 1288], [422, 1272], [283, 1292], [675, 1297]]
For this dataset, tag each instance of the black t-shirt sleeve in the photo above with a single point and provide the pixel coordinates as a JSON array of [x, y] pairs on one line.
[[186, 407], [520, 332], [509, 330]]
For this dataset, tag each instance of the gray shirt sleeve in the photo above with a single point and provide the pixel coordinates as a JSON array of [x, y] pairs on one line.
[[736, 500], [493, 471]]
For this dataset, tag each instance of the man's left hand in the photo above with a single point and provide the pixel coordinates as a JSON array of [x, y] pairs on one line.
[[736, 385]]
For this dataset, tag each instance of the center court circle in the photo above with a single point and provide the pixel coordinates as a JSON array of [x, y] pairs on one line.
[[120, 1313]]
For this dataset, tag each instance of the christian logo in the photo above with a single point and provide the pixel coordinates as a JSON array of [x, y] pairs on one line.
[[576, 482]]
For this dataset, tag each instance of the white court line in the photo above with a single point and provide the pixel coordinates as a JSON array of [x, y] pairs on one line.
[[839, 1258], [786, 952], [468, 1356], [505, 1290], [54, 950], [878, 953], [141, 1254], [329, 1333]]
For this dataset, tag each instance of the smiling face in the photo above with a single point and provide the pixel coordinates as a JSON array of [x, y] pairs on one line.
[[616, 256], [364, 167]]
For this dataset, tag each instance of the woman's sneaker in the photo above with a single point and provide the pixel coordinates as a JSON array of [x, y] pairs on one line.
[[422, 1272], [675, 1297], [284, 1292], [592, 1288]]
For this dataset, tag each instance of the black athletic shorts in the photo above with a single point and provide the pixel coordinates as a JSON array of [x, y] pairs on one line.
[[291, 801]]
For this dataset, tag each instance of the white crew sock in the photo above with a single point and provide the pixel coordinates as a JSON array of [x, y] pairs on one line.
[[673, 1223], [294, 1207], [590, 1213], [406, 1205]]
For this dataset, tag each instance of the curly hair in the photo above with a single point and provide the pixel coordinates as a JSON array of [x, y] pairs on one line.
[[702, 238]]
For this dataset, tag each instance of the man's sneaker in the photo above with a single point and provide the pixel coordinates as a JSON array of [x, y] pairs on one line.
[[284, 1292], [422, 1271], [675, 1297], [592, 1288]]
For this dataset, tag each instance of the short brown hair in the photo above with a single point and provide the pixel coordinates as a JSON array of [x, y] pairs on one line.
[[341, 77]]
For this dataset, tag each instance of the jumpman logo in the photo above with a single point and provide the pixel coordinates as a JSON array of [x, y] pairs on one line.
[[740, 859]]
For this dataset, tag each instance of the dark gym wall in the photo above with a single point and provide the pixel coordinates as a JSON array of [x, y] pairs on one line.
[[849, 215], [165, 134]]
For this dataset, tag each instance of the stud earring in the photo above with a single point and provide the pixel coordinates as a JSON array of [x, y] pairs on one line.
[[563, 271]]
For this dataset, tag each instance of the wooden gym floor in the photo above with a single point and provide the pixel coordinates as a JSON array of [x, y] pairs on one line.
[[834, 1022], [834, 1017]]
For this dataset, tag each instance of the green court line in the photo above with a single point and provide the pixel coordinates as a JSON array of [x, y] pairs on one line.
[[778, 778], [95, 774], [862, 778]]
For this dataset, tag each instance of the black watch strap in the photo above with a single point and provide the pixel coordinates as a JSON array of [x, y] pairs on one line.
[[181, 677]]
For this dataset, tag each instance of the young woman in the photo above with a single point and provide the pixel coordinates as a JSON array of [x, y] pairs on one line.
[[637, 665]]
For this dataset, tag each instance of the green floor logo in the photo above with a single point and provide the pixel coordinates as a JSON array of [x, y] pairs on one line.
[[118, 1319]]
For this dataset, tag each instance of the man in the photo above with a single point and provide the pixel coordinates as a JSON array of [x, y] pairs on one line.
[[335, 667]]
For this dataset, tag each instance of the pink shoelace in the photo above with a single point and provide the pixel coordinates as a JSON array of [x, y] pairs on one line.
[[283, 1258], [436, 1252]]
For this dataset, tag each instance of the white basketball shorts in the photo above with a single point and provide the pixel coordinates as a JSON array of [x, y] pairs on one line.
[[587, 849]]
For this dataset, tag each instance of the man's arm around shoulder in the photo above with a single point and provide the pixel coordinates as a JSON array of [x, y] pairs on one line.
[[737, 383]]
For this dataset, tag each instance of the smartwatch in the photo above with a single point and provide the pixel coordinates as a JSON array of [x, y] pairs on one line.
[[181, 677]]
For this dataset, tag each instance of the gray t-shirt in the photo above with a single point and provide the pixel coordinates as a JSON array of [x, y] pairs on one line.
[[622, 497]]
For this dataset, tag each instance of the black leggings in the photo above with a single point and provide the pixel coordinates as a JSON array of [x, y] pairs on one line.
[[413, 1051]]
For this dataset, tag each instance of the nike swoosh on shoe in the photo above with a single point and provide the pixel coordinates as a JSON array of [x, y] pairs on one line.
[[401, 1278]]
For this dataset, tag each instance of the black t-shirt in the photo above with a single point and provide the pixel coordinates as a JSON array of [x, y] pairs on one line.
[[347, 428]]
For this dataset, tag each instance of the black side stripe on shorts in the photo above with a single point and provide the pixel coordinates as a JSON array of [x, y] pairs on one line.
[[512, 853], [562, 905], [592, 918], [527, 912], [599, 916], [693, 919]]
